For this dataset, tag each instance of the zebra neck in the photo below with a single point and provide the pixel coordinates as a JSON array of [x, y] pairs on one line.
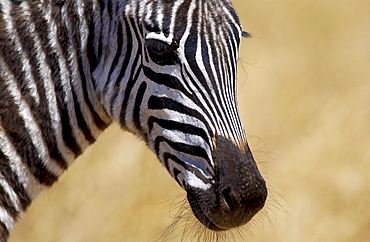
[[49, 111], [116, 58]]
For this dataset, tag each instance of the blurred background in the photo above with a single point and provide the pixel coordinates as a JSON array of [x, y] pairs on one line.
[[304, 98]]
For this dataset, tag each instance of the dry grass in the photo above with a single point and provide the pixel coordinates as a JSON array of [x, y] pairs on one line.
[[303, 91]]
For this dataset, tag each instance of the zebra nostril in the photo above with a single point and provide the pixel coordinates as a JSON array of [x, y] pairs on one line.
[[228, 201]]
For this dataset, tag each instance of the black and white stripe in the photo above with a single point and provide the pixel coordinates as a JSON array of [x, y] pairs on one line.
[[70, 68]]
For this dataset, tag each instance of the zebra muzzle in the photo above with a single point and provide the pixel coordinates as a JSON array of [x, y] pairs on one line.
[[238, 193]]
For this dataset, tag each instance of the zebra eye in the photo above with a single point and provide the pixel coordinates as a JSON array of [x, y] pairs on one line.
[[161, 52]]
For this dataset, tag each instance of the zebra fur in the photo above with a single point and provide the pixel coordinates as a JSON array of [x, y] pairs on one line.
[[69, 68]]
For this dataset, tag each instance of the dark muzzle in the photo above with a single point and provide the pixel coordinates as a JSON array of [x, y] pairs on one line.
[[238, 192]]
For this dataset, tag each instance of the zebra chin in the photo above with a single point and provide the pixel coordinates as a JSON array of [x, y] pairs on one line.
[[238, 191]]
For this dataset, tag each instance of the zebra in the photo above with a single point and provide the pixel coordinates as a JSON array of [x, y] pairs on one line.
[[163, 70]]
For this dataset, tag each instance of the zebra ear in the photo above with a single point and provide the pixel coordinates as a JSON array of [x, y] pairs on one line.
[[246, 34]]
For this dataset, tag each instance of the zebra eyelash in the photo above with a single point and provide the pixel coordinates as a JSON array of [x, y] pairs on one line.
[[161, 52], [245, 34]]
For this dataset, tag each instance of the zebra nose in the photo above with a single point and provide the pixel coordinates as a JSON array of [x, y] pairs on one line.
[[228, 200]]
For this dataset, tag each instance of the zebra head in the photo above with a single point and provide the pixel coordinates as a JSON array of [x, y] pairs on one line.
[[180, 97], [173, 83]]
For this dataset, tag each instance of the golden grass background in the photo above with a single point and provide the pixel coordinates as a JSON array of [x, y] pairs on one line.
[[304, 97]]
